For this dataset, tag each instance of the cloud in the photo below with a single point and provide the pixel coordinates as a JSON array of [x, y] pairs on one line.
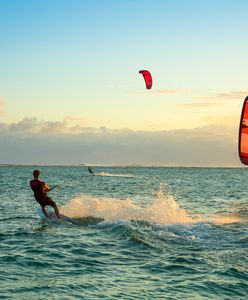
[[197, 104], [213, 99], [232, 95], [33, 125], [205, 98], [27, 124], [169, 91], [165, 92], [223, 96], [46, 142]]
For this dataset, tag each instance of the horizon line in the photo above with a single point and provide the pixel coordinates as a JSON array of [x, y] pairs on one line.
[[116, 165]]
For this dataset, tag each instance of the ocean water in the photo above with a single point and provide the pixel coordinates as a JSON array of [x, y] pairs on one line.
[[138, 233]]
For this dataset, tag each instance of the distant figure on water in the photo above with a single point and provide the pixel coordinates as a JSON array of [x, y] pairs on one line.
[[40, 189], [91, 171]]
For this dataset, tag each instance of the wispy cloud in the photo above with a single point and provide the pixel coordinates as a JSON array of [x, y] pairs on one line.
[[228, 95], [164, 92], [197, 104], [200, 98], [170, 91], [209, 99], [232, 95]]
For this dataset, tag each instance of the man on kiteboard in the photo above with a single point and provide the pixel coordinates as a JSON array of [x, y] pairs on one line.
[[91, 171], [40, 189]]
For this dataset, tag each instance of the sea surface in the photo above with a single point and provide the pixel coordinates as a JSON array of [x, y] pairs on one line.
[[137, 233]]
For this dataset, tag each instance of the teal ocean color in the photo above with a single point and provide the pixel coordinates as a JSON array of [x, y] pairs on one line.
[[138, 233]]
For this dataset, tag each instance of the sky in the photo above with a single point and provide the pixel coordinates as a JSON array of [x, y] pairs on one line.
[[71, 92]]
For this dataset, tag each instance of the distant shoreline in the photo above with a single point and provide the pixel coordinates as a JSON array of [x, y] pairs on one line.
[[116, 166]]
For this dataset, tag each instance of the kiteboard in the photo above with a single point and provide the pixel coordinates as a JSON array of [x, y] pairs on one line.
[[52, 216]]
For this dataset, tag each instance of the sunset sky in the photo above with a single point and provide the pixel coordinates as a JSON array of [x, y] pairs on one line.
[[71, 92]]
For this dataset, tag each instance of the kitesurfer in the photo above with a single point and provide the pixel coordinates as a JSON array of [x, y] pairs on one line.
[[91, 171], [40, 189]]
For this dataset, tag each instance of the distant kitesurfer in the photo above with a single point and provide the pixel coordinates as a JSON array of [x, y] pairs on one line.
[[91, 171], [40, 189]]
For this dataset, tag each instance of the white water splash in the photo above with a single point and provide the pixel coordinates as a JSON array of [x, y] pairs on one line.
[[164, 210], [106, 174]]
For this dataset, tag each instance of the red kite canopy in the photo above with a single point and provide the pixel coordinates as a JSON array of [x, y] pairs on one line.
[[148, 78], [243, 134]]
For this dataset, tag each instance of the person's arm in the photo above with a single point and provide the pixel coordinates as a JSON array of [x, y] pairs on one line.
[[48, 189]]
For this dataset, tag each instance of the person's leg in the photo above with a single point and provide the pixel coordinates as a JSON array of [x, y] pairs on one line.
[[52, 203], [56, 211], [44, 211]]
